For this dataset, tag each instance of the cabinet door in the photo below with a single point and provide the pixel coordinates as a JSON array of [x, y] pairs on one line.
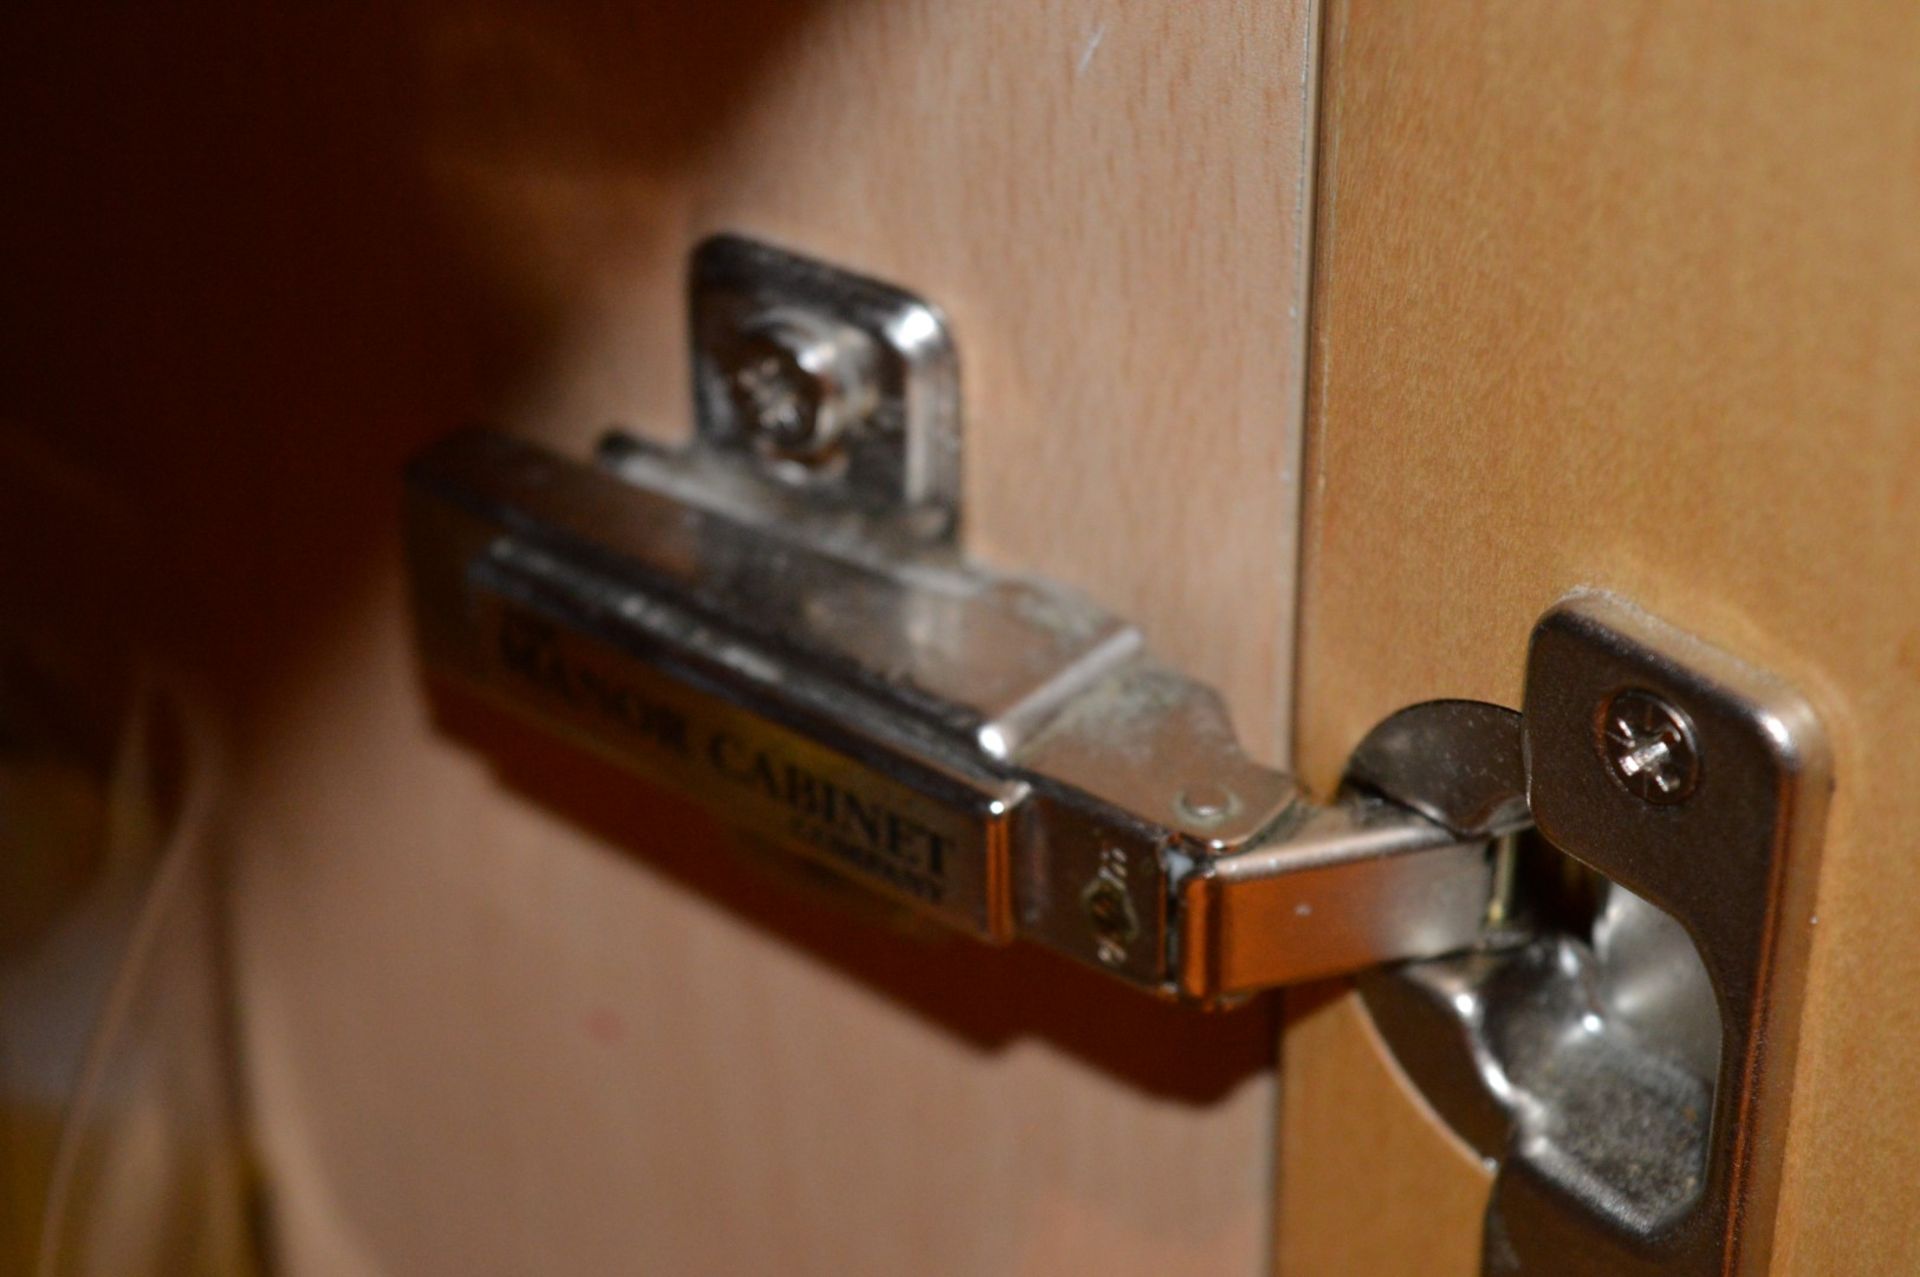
[[1622, 296]]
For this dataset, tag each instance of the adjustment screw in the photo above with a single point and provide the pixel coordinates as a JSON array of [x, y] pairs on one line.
[[1650, 747], [797, 382]]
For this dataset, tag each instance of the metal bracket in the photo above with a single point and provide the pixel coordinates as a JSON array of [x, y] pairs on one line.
[[775, 621], [994, 751], [1632, 1082], [825, 383]]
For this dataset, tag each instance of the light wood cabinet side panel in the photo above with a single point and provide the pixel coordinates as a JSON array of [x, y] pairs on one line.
[[505, 1016]]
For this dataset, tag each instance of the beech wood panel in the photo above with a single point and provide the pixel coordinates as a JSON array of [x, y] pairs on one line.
[[1622, 295], [502, 1012]]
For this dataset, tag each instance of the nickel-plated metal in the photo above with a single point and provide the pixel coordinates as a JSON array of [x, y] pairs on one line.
[[1649, 745], [775, 621], [1521, 1053], [1325, 891], [1461, 764], [798, 383], [1205, 804], [1632, 1081], [995, 751], [837, 385]]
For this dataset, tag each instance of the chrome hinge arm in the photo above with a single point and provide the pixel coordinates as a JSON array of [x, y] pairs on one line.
[[996, 752]]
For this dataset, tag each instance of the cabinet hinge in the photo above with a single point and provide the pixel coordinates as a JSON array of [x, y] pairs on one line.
[[775, 621]]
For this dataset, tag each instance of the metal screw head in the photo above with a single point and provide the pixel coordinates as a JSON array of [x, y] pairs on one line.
[[1650, 747], [797, 383]]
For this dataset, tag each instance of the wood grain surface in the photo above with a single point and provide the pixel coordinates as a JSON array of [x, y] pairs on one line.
[[1628, 296], [503, 1012]]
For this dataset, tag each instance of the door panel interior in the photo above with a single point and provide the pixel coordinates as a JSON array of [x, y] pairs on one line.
[[500, 1010]]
